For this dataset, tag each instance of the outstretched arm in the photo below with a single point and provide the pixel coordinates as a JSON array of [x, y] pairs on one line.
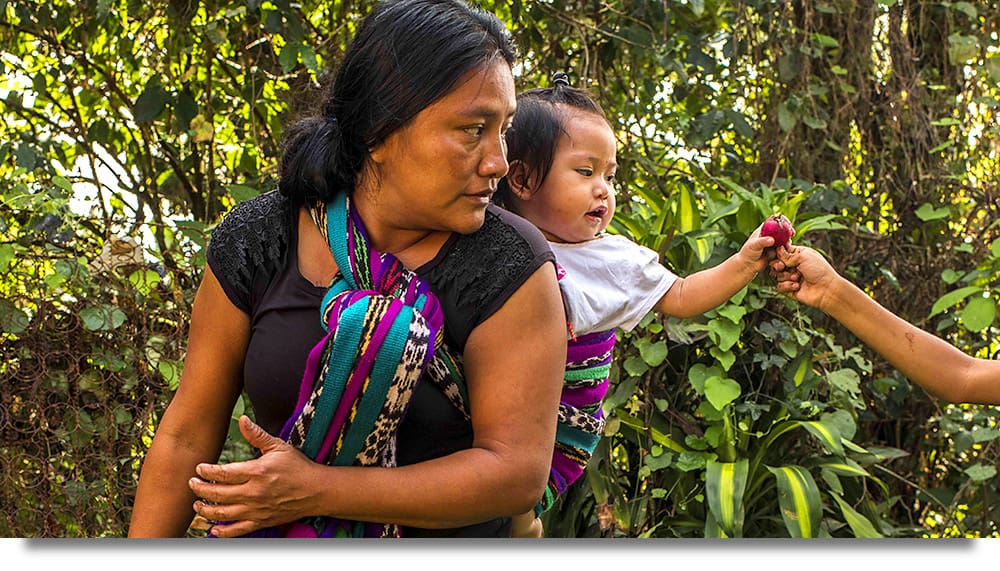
[[937, 366], [705, 290]]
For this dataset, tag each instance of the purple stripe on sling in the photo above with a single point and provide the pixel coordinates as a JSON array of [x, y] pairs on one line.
[[582, 397]]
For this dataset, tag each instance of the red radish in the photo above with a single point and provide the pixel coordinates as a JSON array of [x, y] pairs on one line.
[[779, 228]]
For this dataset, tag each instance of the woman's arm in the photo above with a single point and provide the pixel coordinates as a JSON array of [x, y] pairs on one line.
[[514, 364], [194, 426], [705, 290], [937, 366]]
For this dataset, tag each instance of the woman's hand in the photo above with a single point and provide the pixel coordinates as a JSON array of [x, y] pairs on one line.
[[267, 491]]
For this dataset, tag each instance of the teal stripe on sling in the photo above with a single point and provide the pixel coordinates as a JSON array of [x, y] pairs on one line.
[[345, 342], [576, 437], [382, 374], [336, 288], [588, 373], [336, 221]]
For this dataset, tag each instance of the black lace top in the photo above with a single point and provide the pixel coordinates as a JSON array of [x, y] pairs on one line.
[[253, 255]]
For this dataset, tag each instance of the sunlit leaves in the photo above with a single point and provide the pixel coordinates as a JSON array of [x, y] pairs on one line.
[[798, 496]]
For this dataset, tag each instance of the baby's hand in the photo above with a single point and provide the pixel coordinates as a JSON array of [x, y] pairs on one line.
[[757, 250]]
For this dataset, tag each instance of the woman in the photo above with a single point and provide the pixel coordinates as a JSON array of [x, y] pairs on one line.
[[383, 212], [934, 364]]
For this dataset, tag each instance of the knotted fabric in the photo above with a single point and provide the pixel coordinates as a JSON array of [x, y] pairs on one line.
[[384, 331]]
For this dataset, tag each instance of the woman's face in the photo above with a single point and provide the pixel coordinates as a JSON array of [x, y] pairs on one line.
[[438, 172]]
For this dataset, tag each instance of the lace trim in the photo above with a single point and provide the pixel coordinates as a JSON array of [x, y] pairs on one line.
[[254, 236]]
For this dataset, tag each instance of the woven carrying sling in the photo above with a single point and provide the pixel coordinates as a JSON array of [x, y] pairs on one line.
[[384, 331], [581, 420]]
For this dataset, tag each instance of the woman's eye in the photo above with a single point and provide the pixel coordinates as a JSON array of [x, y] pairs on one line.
[[475, 131]]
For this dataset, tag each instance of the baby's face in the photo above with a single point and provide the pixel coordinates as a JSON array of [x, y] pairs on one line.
[[577, 200]]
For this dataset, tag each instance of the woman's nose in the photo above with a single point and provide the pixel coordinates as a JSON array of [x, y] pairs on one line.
[[494, 163]]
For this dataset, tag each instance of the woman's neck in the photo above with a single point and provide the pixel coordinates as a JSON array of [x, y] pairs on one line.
[[412, 247]]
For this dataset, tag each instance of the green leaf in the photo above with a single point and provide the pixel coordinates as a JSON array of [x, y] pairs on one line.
[[926, 212], [979, 473], [979, 313], [240, 192], [962, 49], [152, 101], [102, 318], [953, 297], [289, 56], [846, 380], [688, 214], [721, 391], [860, 525], [725, 483], [144, 280], [635, 366], [828, 435], [799, 499], [12, 318], [724, 333], [786, 117], [653, 353], [171, 371], [6, 257]]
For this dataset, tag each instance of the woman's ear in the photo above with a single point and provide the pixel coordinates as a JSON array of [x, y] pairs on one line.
[[520, 180]]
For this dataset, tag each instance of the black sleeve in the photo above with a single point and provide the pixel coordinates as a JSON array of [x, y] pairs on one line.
[[249, 244]]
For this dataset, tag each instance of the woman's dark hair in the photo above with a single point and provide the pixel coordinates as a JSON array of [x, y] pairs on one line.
[[406, 55], [538, 123]]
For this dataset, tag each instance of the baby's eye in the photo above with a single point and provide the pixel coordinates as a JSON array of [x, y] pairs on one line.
[[585, 172], [610, 178]]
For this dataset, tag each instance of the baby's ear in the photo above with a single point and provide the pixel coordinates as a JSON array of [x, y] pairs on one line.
[[519, 180]]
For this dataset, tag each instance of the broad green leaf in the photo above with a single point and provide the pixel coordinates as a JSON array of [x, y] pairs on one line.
[[725, 483], [724, 358], [979, 473], [241, 192], [102, 318], [926, 212], [961, 49], [799, 499], [144, 280], [152, 101], [846, 380], [827, 434], [979, 313], [688, 215], [6, 256], [721, 391], [724, 332], [12, 318], [951, 298], [652, 352], [860, 525]]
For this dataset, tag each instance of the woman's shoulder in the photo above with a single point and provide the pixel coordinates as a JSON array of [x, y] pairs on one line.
[[476, 273], [252, 237]]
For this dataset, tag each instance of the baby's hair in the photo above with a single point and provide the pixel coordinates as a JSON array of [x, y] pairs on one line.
[[538, 123]]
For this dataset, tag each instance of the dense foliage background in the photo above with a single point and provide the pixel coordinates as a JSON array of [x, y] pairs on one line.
[[129, 128]]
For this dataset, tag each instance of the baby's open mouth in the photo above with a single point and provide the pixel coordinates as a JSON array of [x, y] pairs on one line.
[[599, 212]]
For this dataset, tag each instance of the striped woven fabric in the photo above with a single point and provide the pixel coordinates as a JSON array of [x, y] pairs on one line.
[[384, 330], [581, 420]]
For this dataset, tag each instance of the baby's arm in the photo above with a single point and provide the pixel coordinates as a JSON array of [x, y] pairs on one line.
[[705, 290], [944, 371]]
